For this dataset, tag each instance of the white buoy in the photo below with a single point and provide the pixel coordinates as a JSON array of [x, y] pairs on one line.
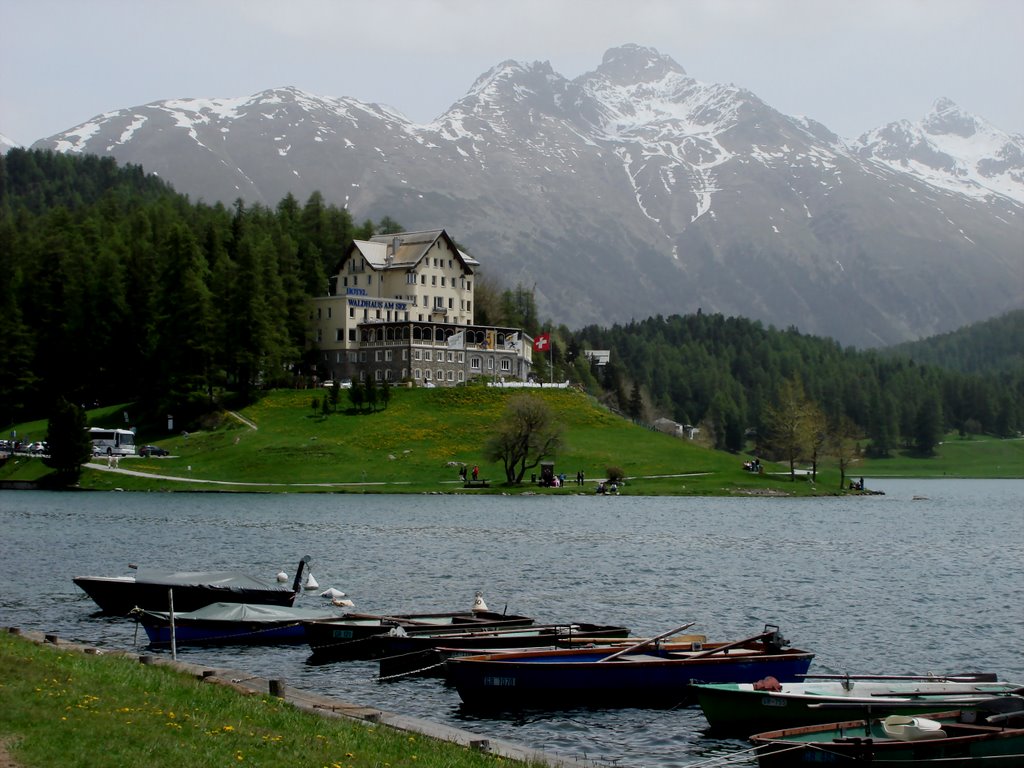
[[282, 577], [333, 593], [312, 583], [478, 603]]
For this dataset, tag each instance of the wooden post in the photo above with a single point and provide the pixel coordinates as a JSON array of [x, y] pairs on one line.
[[170, 605]]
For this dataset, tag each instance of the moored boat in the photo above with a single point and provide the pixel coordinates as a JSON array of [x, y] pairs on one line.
[[151, 589], [231, 624], [402, 653], [648, 674], [990, 735], [351, 635], [745, 708]]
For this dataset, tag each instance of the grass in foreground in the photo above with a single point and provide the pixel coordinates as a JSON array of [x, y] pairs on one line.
[[64, 708]]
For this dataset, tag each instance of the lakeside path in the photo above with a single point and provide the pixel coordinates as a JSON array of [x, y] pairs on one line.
[[239, 484], [313, 703]]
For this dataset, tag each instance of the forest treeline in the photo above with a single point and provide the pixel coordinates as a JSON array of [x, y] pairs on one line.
[[115, 288]]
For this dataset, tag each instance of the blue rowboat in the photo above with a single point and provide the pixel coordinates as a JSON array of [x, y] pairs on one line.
[[231, 624], [649, 674]]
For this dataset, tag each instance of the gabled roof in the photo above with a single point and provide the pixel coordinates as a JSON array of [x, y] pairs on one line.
[[381, 253]]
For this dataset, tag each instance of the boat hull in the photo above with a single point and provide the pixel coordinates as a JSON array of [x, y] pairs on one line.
[[352, 636], [739, 710], [406, 654], [865, 742], [559, 679], [231, 624], [119, 596]]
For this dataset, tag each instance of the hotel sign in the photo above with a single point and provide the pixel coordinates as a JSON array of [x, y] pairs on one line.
[[353, 295]]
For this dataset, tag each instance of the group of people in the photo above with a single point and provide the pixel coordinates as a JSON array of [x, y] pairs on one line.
[[463, 472], [752, 466]]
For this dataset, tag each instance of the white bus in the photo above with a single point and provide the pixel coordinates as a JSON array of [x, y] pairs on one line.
[[112, 442]]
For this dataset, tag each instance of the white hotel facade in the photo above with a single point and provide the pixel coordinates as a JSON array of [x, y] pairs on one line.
[[400, 309]]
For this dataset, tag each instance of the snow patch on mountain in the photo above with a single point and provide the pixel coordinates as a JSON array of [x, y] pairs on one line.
[[952, 150]]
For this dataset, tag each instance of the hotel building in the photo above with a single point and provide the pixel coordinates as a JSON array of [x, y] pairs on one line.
[[400, 309]]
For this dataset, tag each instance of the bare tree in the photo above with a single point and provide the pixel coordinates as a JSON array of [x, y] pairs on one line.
[[526, 435], [787, 424], [843, 437]]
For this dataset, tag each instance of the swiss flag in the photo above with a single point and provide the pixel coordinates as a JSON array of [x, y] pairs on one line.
[[542, 343]]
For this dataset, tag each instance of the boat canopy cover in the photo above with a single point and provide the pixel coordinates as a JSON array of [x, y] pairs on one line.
[[222, 579], [249, 612]]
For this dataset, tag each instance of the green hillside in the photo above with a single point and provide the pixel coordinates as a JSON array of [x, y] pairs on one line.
[[416, 444]]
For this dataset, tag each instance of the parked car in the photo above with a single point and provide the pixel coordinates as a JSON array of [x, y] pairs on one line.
[[153, 450]]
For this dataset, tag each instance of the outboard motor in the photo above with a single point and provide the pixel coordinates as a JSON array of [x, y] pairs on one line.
[[774, 642]]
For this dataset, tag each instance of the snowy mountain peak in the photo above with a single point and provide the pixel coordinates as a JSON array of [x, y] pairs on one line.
[[947, 118], [636, 64]]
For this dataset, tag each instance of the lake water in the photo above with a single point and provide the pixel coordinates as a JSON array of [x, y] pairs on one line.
[[926, 578]]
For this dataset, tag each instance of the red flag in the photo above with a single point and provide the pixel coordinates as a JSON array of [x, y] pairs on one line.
[[542, 343]]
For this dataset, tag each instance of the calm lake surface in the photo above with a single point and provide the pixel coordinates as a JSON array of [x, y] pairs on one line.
[[927, 578]]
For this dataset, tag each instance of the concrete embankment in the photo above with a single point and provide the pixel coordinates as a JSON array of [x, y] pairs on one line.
[[324, 706]]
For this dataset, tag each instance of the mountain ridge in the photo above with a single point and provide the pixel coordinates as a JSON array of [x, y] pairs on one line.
[[634, 189]]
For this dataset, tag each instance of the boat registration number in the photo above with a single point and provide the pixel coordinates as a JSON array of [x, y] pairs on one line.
[[345, 634], [499, 682], [772, 701]]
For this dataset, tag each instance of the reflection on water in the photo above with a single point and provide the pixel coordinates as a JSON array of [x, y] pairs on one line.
[[875, 584]]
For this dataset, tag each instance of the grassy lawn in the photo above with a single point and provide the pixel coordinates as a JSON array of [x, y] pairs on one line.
[[61, 707], [418, 442]]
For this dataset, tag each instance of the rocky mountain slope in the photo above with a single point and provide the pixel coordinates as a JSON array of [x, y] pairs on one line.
[[635, 190]]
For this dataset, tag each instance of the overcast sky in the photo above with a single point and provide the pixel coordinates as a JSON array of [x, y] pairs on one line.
[[851, 64]]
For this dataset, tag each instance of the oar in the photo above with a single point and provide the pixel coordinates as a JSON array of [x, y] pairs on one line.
[[646, 642], [965, 677], [728, 646]]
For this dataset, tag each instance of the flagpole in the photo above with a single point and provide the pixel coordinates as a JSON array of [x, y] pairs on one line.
[[551, 361]]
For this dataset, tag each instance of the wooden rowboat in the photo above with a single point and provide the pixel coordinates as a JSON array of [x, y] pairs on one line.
[[992, 735], [744, 708], [647, 675]]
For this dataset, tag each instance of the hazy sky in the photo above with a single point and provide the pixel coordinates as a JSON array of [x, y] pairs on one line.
[[851, 64]]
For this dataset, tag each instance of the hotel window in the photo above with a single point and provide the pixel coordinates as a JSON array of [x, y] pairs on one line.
[[451, 304], [328, 313], [405, 354], [387, 375], [318, 315], [474, 363], [490, 363], [433, 279], [417, 354], [451, 357], [417, 373], [423, 279], [469, 285], [410, 279], [377, 374], [362, 356], [337, 357], [362, 375], [426, 375], [451, 375], [440, 375], [376, 356], [351, 334], [344, 281], [469, 306], [506, 365], [339, 334], [352, 312], [462, 376], [405, 373], [369, 279], [462, 357], [428, 355], [353, 357], [388, 355], [355, 280], [442, 281]]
